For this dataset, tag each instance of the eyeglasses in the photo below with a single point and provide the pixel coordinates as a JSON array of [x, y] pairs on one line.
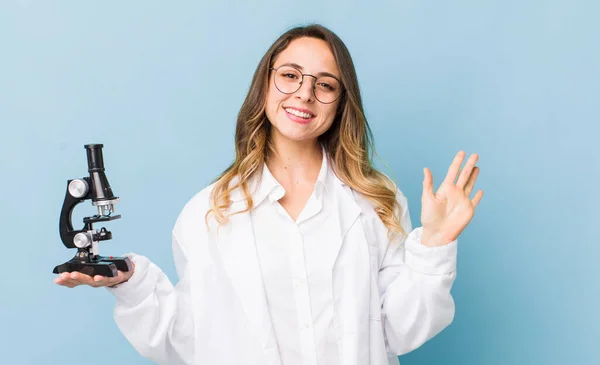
[[289, 79]]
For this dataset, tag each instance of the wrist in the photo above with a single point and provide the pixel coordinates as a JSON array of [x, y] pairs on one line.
[[434, 239]]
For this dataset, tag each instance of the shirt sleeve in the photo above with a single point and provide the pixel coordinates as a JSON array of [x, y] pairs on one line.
[[415, 281], [153, 314]]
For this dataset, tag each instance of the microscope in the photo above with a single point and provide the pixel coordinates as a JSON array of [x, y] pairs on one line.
[[96, 188]]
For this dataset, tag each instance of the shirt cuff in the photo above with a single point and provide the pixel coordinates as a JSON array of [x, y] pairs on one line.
[[141, 283], [438, 260]]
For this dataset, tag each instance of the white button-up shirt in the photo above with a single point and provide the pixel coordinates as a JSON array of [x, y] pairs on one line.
[[296, 263]]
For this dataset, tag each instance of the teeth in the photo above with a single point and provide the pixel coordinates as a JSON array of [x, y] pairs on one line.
[[298, 113]]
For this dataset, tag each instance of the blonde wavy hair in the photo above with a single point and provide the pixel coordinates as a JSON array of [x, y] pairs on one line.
[[348, 142]]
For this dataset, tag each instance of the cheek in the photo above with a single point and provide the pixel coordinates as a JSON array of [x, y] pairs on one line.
[[329, 115], [273, 102]]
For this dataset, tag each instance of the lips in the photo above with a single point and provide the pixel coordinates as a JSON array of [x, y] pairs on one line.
[[301, 116], [301, 110]]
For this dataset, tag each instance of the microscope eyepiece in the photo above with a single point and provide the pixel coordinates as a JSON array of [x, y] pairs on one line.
[[94, 157], [101, 192]]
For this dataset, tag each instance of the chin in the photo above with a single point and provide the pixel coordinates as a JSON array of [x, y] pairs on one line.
[[288, 130], [294, 135]]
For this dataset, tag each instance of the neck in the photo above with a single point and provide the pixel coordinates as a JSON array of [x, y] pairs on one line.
[[295, 160]]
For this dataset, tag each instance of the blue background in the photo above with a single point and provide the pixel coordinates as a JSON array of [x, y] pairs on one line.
[[160, 84]]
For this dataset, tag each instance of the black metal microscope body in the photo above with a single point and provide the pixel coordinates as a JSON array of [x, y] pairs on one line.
[[96, 188]]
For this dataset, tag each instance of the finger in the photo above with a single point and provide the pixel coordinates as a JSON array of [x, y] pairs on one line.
[[60, 281], [117, 279], [471, 182], [99, 281], [81, 278], [477, 198], [65, 280], [454, 168], [427, 183], [466, 171]]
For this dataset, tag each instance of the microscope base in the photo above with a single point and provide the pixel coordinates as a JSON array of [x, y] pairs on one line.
[[101, 265]]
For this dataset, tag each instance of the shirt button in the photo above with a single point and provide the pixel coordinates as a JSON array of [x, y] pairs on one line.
[[306, 325]]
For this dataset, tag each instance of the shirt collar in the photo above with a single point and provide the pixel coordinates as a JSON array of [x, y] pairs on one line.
[[269, 187]]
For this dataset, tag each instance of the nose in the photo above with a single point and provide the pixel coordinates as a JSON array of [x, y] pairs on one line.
[[305, 92]]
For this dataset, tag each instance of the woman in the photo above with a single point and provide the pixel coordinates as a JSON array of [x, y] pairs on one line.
[[300, 252]]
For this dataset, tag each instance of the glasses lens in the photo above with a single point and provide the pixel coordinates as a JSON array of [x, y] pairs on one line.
[[327, 89], [287, 79]]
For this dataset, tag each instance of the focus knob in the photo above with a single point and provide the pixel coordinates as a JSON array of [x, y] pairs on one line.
[[82, 240], [78, 188]]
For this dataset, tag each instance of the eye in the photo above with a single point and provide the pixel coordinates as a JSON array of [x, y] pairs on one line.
[[290, 75], [326, 86]]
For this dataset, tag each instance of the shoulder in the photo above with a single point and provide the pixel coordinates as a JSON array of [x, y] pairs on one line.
[[368, 206], [200, 202], [374, 222], [192, 215]]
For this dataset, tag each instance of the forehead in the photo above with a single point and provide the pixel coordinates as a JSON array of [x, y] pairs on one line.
[[312, 54]]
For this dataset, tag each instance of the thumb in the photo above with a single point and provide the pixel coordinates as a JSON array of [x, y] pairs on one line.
[[427, 183]]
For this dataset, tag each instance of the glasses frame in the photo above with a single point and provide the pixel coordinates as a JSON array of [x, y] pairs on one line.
[[313, 86]]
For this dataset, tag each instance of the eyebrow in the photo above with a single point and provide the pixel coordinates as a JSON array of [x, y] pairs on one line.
[[302, 69]]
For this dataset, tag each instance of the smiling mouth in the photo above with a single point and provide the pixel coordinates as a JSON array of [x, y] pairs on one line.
[[298, 113]]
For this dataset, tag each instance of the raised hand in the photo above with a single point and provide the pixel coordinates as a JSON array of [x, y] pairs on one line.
[[448, 211]]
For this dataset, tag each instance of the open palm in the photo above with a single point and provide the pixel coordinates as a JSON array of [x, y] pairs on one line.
[[448, 211]]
